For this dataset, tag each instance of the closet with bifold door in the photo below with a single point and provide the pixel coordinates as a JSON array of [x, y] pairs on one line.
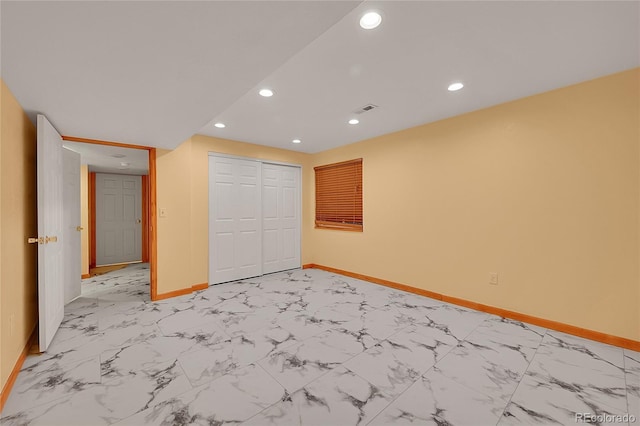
[[254, 217]]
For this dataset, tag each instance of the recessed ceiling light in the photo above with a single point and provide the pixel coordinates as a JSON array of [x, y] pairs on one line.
[[220, 125], [266, 93], [455, 86], [354, 121], [296, 141], [370, 20]]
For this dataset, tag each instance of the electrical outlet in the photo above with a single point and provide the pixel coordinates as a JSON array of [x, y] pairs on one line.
[[163, 212], [493, 278]]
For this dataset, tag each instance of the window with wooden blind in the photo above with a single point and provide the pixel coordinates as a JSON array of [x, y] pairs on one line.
[[339, 195]]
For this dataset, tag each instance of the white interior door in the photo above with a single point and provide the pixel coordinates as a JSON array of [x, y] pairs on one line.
[[118, 219], [234, 219], [50, 232], [280, 217], [71, 224]]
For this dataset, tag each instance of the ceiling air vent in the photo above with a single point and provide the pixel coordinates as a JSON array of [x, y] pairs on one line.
[[365, 108]]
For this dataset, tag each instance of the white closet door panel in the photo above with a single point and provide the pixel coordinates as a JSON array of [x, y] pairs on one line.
[[281, 217], [235, 219]]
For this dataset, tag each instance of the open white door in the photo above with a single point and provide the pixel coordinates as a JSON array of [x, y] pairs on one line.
[[71, 223], [50, 232]]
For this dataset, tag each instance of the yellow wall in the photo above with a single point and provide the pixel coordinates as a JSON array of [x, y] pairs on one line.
[[84, 218], [182, 191], [544, 191], [17, 222]]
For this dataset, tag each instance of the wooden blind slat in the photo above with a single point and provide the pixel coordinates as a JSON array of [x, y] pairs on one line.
[[339, 195]]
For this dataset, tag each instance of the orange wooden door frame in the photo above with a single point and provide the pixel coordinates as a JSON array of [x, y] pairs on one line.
[[149, 202]]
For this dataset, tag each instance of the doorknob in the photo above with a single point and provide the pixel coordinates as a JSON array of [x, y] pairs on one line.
[[79, 228], [50, 240], [35, 240]]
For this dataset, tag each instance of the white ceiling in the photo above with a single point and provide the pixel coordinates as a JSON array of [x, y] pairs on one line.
[[109, 159], [146, 72], [153, 73]]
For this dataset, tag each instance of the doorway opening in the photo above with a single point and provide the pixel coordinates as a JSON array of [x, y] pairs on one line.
[[135, 240]]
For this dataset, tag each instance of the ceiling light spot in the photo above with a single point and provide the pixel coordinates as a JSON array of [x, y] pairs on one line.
[[220, 125], [370, 20], [296, 141], [267, 93], [123, 164], [455, 86], [354, 121]]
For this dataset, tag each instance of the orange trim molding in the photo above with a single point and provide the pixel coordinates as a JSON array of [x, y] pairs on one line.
[[553, 325], [202, 286], [85, 276], [181, 292], [100, 142], [6, 390]]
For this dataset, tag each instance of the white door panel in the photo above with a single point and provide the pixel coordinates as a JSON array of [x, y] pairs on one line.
[[281, 217], [235, 221], [51, 230], [71, 222], [118, 218]]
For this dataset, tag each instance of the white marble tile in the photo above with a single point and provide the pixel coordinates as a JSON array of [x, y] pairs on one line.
[[240, 323], [632, 379], [592, 371], [297, 365], [509, 331], [47, 382], [111, 401], [340, 397], [181, 319], [376, 325], [144, 355], [217, 360], [437, 400], [457, 321], [304, 326], [396, 363], [202, 336], [600, 354], [83, 305], [230, 399], [71, 410], [490, 367], [540, 400], [413, 305], [75, 334]]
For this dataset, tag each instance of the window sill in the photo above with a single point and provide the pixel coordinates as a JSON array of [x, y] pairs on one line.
[[339, 227]]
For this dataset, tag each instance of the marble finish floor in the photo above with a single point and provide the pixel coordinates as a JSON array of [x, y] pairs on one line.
[[307, 347]]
